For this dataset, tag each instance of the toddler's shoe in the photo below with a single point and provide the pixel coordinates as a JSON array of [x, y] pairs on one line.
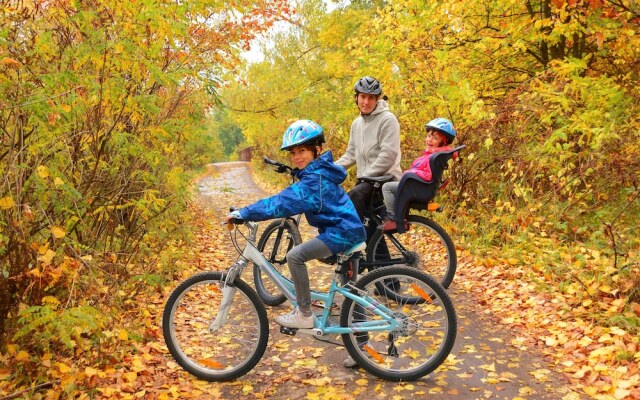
[[389, 225]]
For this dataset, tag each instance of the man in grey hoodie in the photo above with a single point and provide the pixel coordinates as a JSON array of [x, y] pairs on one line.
[[374, 141], [374, 147]]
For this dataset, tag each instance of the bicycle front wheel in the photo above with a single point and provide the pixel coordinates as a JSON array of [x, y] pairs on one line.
[[425, 331], [277, 239], [425, 245], [221, 350]]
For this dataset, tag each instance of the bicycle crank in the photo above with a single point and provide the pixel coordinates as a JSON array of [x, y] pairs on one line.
[[293, 331]]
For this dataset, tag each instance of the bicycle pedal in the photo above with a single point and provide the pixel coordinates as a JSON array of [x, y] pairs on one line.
[[288, 331]]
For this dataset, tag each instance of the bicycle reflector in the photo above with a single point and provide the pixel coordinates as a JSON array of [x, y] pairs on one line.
[[422, 293]]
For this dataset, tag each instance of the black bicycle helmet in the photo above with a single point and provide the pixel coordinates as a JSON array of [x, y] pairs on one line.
[[368, 85]]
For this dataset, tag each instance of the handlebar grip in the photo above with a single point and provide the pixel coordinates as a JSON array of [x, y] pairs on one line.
[[270, 161], [280, 167], [235, 221]]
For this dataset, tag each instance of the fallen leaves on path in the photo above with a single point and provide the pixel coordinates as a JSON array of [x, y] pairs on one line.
[[601, 361], [132, 361]]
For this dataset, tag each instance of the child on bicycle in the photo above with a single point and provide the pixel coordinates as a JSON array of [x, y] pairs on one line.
[[440, 134], [323, 201]]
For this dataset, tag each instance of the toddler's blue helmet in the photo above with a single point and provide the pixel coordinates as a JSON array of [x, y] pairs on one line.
[[301, 132], [443, 126]]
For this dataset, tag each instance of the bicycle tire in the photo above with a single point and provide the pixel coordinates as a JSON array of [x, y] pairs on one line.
[[429, 245], [419, 344], [230, 351], [289, 238]]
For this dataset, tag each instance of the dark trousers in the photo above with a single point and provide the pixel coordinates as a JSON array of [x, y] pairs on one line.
[[360, 196]]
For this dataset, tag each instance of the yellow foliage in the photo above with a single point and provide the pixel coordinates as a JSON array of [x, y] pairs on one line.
[[57, 232], [7, 202]]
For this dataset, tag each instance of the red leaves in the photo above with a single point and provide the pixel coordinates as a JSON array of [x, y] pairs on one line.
[[591, 4]]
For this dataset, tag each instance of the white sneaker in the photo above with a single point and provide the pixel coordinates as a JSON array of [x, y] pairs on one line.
[[295, 319]]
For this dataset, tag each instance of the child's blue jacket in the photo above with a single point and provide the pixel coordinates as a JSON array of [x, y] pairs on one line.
[[323, 201]]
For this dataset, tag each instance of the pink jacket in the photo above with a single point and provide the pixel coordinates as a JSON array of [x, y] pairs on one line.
[[420, 166]]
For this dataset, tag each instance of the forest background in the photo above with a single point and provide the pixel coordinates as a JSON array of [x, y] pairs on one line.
[[109, 109]]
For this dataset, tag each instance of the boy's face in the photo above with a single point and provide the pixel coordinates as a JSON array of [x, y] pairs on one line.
[[434, 138], [301, 156]]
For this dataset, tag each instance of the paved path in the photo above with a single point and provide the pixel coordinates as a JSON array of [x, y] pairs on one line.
[[482, 365]]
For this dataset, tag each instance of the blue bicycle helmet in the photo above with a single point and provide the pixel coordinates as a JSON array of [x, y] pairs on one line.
[[301, 132], [368, 85], [443, 126]]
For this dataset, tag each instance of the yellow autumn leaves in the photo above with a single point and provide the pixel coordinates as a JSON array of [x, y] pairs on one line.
[[57, 232], [7, 202]]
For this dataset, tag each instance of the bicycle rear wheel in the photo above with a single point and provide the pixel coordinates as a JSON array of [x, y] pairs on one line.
[[425, 245], [425, 333], [212, 354], [275, 242]]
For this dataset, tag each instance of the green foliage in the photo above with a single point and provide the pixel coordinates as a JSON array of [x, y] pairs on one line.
[[103, 112], [229, 134], [47, 327]]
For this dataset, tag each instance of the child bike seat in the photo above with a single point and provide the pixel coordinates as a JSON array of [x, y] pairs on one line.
[[414, 192]]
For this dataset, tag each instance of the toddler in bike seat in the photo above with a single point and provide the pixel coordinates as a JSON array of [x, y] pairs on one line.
[[440, 134], [319, 195]]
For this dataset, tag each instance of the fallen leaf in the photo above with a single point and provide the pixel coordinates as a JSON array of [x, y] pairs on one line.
[[57, 232]]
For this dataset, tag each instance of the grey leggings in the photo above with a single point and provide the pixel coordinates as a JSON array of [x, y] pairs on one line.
[[296, 258], [389, 190]]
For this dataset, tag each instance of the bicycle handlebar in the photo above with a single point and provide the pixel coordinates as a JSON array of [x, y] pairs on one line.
[[281, 168]]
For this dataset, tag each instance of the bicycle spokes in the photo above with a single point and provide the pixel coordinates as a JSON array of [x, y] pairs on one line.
[[422, 317]]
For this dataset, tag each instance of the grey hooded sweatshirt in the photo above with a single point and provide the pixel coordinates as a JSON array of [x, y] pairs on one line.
[[374, 144]]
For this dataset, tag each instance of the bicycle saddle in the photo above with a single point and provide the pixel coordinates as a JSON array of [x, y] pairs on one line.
[[347, 253], [358, 247], [376, 180]]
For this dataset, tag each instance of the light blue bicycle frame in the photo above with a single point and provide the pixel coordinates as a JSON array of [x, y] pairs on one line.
[[251, 253]]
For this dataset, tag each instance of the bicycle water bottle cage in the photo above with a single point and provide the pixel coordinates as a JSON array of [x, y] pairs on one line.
[[416, 193]]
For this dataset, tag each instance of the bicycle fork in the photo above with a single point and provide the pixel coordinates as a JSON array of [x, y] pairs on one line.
[[228, 292], [227, 298]]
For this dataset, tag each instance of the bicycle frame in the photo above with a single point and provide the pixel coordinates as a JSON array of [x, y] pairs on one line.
[[278, 238], [251, 253]]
